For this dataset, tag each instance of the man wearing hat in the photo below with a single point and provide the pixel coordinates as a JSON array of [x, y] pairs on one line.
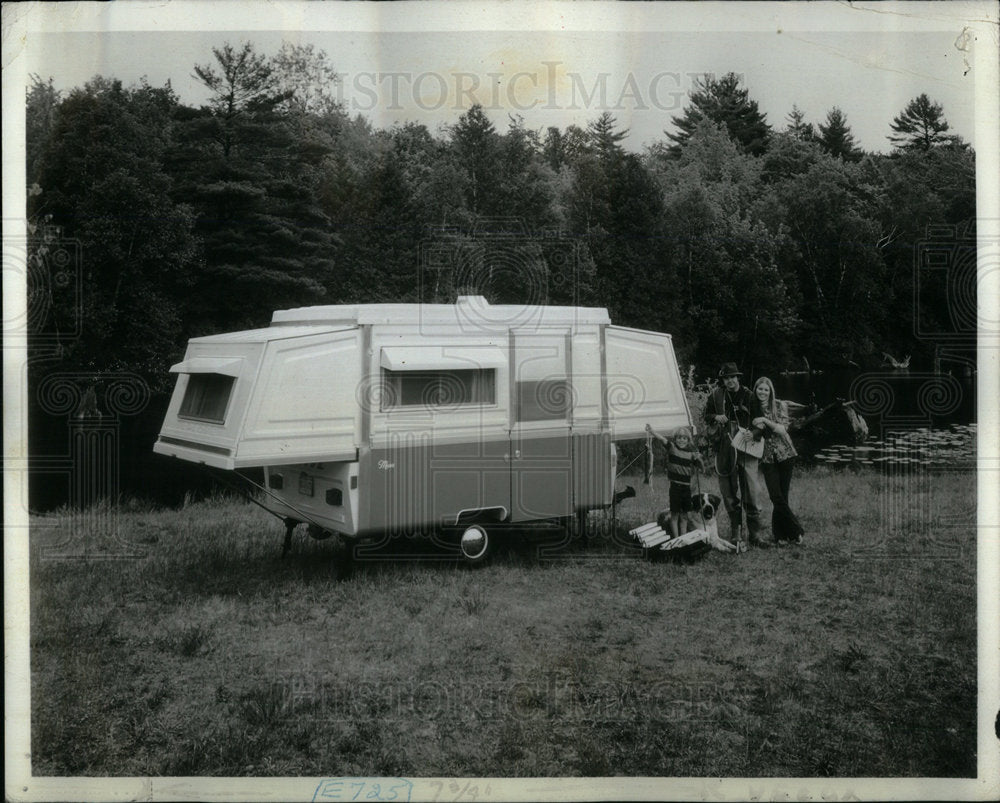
[[726, 409]]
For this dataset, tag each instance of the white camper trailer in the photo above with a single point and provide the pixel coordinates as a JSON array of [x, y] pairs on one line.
[[386, 418]]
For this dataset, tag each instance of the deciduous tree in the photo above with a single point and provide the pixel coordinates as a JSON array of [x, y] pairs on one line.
[[43, 100], [308, 79], [735, 300], [831, 214], [101, 185]]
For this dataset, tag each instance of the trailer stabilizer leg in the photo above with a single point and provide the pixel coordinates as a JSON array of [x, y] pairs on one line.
[[290, 524]]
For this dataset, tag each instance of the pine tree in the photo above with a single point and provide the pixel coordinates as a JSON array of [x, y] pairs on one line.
[[921, 126], [836, 137], [267, 242], [798, 127], [553, 147], [247, 86], [723, 101], [476, 145], [603, 137]]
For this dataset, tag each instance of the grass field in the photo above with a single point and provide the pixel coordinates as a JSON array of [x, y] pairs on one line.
[[207, 654]]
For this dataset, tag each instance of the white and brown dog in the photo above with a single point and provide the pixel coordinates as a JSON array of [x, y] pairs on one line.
[[702, 516]]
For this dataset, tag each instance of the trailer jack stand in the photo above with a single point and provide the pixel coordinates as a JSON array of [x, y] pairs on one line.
[[290, 524]]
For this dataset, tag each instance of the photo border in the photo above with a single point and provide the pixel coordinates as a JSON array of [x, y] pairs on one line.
[[21, 22]]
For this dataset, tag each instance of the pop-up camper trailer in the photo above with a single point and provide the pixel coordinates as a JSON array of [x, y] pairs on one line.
[[389, 418]]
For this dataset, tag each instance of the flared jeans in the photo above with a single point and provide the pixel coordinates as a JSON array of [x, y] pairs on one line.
[[785, 524]]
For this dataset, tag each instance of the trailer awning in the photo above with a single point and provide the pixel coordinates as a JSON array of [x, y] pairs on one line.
[[208, 365], [442, 358]]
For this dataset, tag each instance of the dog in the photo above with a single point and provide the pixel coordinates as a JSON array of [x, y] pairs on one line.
[[703, 507], [701, 516]]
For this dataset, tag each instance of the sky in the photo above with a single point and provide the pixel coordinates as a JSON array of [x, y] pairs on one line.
[[641, 68]]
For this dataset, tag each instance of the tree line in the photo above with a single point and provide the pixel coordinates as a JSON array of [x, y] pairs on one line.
[[745, 241]]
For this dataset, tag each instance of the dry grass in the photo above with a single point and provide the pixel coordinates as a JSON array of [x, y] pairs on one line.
[[206, 654]]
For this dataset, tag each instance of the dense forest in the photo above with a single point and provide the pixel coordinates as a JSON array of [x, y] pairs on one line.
[[151, 221]]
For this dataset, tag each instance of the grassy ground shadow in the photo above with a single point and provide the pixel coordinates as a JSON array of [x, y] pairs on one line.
[[178, 642]]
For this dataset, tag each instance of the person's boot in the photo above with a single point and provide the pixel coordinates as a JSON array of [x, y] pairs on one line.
[[737, 539]]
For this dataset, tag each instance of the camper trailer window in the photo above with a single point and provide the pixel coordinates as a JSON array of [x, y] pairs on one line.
[[206, 397], [438, 388], [544, 400]]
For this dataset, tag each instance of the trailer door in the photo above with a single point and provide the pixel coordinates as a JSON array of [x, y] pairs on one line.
[[541, 409], [642, 383]]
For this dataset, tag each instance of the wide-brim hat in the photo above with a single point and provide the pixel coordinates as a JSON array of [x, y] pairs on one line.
[[729, 369]]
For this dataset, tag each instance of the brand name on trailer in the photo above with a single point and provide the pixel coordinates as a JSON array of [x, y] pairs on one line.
[[385, 465]]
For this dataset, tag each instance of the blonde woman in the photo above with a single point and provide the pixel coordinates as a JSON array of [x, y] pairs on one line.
[[778, 460]]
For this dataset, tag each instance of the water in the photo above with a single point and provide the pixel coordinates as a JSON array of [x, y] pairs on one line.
[[953, 447], [918, 418]]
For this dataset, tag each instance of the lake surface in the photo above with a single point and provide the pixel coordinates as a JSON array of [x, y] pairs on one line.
[[952, 447], [918, 418]]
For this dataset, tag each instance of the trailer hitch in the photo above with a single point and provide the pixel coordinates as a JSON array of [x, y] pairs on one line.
[[289, 522], [290, 525]]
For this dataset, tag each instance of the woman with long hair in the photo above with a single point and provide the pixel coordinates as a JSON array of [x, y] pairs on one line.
[[778, 460]]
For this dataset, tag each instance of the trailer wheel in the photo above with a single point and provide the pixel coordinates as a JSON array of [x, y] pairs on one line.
[[475, 543]]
